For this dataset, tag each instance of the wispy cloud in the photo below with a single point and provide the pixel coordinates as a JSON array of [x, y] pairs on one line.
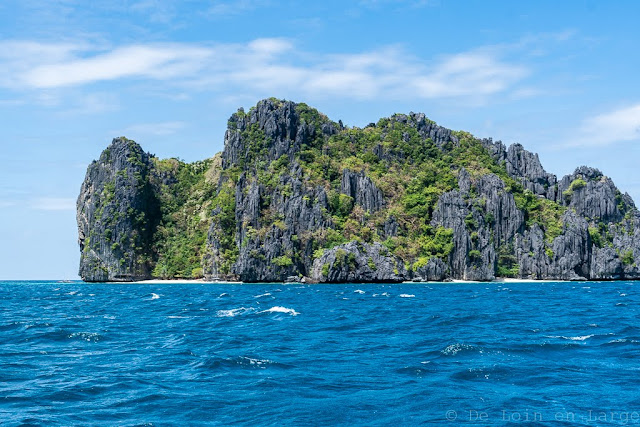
[[40, 203], [403, 3], [264, 67], [234, 7], [159, 62], [18, 57], [620, 125], [158, 11], [157, 129], [472, 73], [54, 204]]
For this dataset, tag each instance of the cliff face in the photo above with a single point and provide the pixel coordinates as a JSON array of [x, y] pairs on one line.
[[115, 213], [295, 194]]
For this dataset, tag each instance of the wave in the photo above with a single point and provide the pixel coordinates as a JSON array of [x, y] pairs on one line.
[[244, 310], [242, 362], [384, 294], [86, 336], [406, 296], [25, 326], [496, 373], [154, 296], [576, 338], [453, 349], [416, 371], [234, 312], [619, 341], [279, 309], [262, 295]]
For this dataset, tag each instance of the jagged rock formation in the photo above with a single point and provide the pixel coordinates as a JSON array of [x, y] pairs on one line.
[[358, 262], [296, 194], [362, 190], [115, 211]]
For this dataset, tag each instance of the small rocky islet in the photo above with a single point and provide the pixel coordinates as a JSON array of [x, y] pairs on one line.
[[297, 195]]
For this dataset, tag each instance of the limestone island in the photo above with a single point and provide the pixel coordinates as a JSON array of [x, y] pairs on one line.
[[296, 196]]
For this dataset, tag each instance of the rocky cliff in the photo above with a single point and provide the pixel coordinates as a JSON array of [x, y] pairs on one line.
[[294, 194], [116, 209]]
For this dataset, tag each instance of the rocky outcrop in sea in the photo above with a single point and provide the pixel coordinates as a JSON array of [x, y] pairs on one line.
[[294, 194]]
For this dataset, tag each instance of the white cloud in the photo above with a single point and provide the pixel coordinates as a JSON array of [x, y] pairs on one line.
[[131, 61], [18, 57], [269, 46], [472, 73], [263, 67], [54, 204], [604, 129]]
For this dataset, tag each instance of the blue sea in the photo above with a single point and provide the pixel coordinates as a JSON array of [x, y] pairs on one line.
[[289, 354]]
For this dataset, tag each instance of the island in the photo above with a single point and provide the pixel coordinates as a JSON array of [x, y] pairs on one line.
[[297, 196]]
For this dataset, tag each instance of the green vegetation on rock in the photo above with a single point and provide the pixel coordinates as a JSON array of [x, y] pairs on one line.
[[186, 199]]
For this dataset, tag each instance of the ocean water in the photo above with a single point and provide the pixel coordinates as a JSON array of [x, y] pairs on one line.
[[288, 354]]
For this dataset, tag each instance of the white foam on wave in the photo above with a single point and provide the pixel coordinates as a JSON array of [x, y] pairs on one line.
[[253, 361], [262, 295], [406, 296], [453, 349], [359, 291], [623, 340], [576, 338], [154, 296], [233, 312], [384, 294], [177, 317], [86, 336], [279, 309]]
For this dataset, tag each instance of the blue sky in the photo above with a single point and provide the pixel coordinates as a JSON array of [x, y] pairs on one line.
[[559, 77]]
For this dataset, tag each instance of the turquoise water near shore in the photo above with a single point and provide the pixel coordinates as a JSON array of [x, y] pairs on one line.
[[290, 354]]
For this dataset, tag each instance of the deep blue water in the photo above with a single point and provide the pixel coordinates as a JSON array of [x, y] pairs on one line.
[[275, 354]]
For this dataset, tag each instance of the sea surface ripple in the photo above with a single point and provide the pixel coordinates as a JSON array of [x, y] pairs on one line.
[[289, 354]]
